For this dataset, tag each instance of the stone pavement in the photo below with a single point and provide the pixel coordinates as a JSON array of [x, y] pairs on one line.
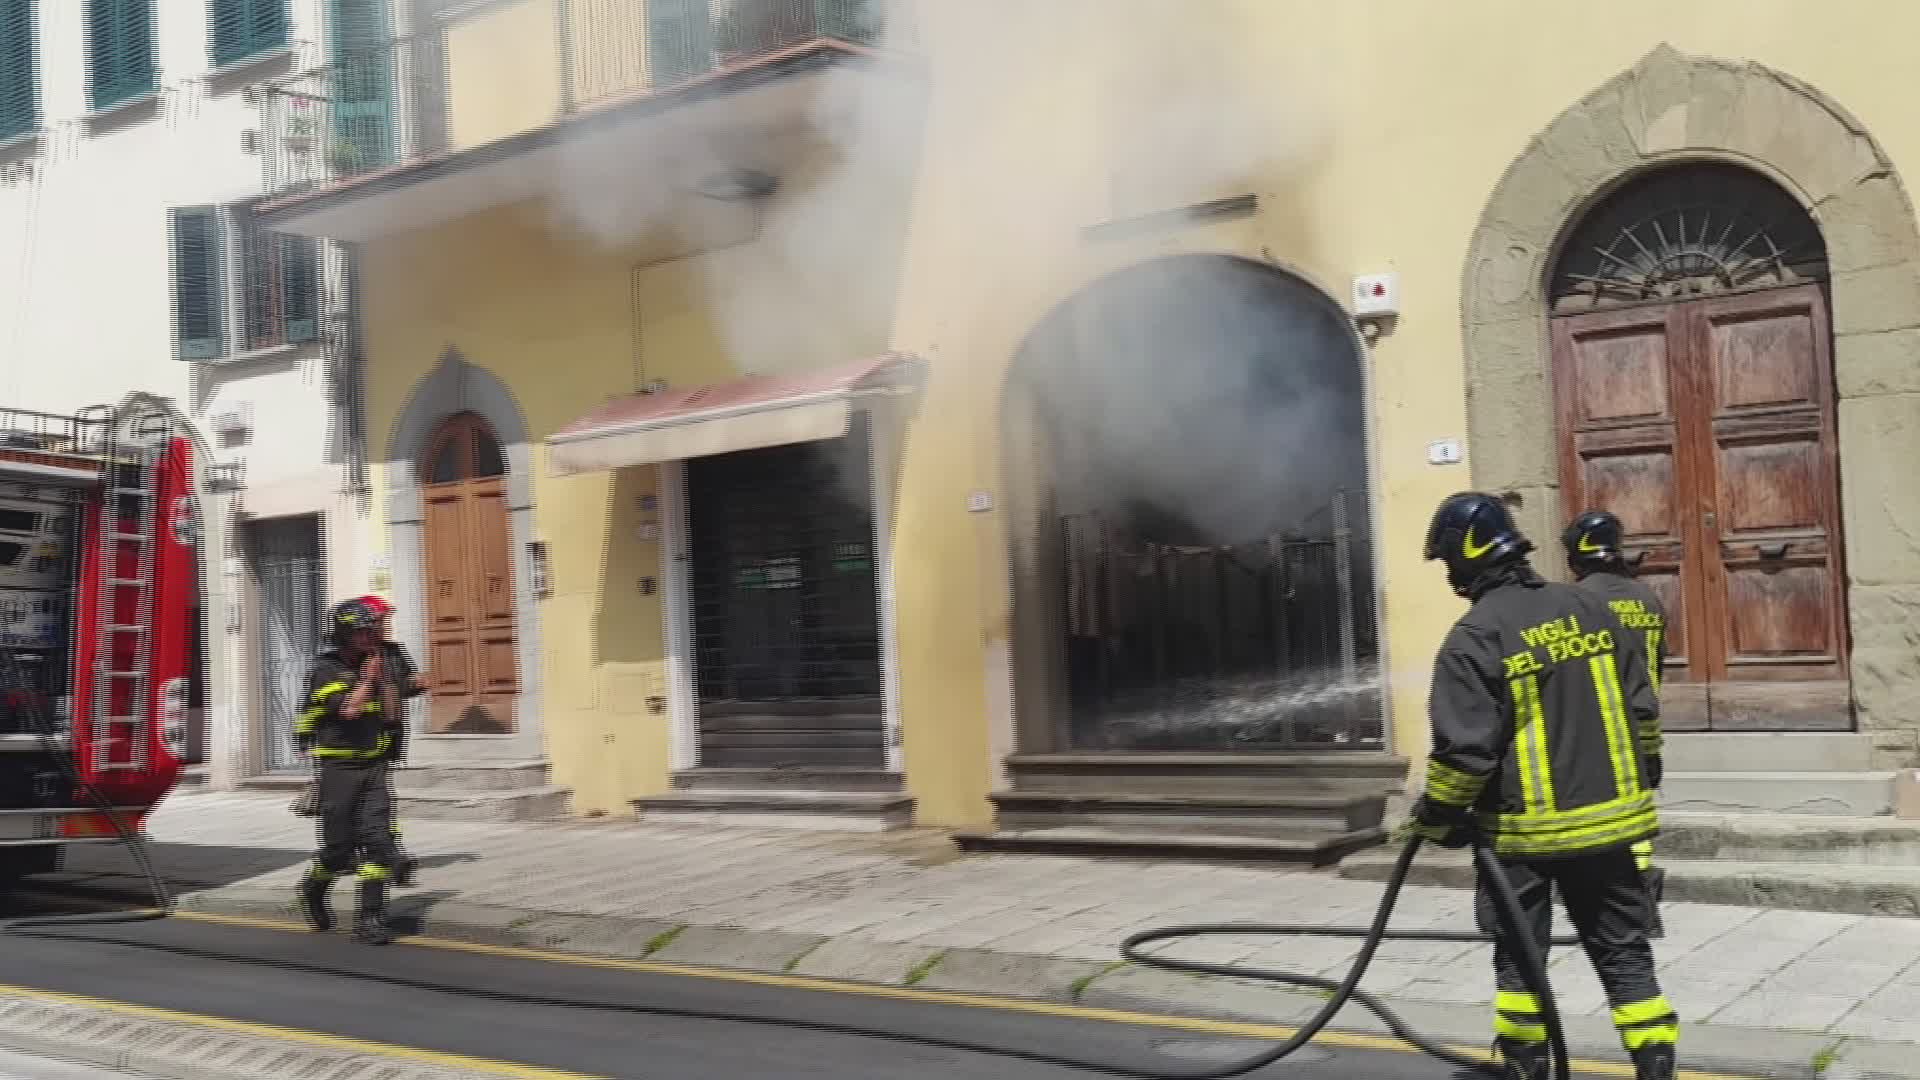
[[1784, 989]]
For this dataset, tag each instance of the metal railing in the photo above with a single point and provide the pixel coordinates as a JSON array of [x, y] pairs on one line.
[[368, 109]]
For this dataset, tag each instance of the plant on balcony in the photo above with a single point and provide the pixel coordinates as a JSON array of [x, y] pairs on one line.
[[300, 131], [344, 157]]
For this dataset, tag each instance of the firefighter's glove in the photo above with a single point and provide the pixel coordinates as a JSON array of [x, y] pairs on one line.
[[1656, 771], [1438, 823], [304, 741]]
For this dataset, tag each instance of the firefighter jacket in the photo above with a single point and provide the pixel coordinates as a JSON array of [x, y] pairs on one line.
[[1540, 721], [400, 669], [365, 737], [1640, 614]]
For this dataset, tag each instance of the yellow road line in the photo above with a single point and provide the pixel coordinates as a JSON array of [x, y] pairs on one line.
[[314, 1038], [1275, 1032]]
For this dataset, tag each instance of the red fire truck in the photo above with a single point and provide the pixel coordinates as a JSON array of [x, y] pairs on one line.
[[99, 606]]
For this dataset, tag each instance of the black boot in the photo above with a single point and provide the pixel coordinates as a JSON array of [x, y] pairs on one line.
[[1653, 1061], [1524, 1061], [370, 925], [314, 904]]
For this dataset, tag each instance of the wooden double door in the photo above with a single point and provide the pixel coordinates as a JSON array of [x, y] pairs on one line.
[[474, 672], [1708, 426]]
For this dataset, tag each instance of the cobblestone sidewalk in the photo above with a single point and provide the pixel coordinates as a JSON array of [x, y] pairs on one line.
[[903, 908]]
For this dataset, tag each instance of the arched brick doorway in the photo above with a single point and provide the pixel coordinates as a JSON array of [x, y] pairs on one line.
[[469, 577]]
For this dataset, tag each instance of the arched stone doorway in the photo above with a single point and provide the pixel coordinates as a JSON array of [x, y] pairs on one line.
[[1672, 108], [1186, 461], [1693, 382], [469, 577]]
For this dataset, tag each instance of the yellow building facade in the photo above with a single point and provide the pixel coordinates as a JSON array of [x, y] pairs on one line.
[[912, 225]]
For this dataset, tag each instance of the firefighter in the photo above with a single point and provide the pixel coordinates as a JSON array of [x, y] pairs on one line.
[[1545, 734], [1596, 553], [411, 685], [348, 728]]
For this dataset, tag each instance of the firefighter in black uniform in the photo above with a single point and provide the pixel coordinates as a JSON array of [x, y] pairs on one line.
[[1596, 553], [1544, 739], [348, 728]]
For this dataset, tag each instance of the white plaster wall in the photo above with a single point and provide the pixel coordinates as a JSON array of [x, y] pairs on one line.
[[85, 295]]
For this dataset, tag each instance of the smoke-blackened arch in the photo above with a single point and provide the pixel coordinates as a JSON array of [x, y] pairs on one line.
[[1186, 456]]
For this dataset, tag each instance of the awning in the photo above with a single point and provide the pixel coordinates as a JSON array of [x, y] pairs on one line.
[[744, 414]]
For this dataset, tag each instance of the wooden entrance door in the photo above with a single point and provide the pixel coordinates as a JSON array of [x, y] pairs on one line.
[[470, 632], [1708, 427]]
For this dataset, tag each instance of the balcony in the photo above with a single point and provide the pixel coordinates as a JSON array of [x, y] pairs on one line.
[[521, 78]]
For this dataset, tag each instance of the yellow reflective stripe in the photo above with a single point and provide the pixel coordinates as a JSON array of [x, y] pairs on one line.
[[373, 872], [1643, 854], [1626, 830], [304, 725], [1653, 659], [1635, 1038], [1529, 747], [1522, 823], [1514, 1001], [1451, 786], [348, 753], [1525, 1033], [1643, 1012], [1613, 715], [326, 692]]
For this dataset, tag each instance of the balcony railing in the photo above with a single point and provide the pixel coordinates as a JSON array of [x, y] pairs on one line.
[[373, 108]]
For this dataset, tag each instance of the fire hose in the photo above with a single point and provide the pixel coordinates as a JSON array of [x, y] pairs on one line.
[[1339, 993]]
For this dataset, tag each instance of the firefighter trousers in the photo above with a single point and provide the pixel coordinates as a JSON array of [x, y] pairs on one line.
[[356, 819], [1608, 902]]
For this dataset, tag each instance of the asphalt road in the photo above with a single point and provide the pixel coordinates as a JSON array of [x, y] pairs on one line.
[[623, 1023]]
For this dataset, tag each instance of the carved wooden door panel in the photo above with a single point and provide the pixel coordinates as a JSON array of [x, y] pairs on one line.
[[470, 616], [1707, 426], [1769, 505], [1622, 450]]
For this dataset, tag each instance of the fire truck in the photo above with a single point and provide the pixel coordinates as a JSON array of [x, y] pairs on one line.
[[100, 598]]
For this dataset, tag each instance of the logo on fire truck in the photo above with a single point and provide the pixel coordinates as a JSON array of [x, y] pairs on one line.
[[184, 528]]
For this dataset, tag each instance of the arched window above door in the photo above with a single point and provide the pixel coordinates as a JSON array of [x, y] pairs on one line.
[[464, 448], [1698, 229]]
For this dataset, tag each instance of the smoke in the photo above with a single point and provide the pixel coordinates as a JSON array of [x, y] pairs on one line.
[[1222, 397]]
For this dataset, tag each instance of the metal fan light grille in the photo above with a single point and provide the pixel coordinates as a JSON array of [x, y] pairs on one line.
[[1692, 230]]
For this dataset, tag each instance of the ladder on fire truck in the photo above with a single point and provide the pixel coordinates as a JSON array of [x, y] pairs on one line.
[[126, 561]]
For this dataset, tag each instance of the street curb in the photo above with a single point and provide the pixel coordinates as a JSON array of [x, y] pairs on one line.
[[1745, 1052], [126, 1042]]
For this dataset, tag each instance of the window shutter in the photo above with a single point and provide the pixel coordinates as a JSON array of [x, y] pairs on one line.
[[19, 69], [242, 29], [119, 51], [193, 234], [300, 282], [363, 85], [679, 40]]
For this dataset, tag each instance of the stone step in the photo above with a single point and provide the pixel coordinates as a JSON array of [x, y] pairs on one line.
[[806, 779], [781, 808], [1201, 774], [1768, 751], [1237, 814], [194, 778], [1796, 886], [1303, 846], [521, 804], [471, 776], [1790, 838], [1829, 794]]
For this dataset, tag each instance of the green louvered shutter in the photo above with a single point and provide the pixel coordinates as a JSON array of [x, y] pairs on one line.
[[243, 29], [19, 70], [363, 85], [300, 285], [193, 236], [679, 40], [848, 20], [120, 63]]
